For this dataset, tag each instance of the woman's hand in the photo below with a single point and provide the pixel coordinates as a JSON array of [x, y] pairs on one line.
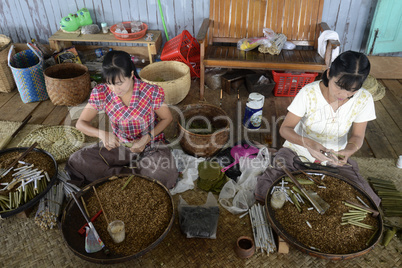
[[354, 143], [139, 144], [316, 150], [342, 157], [109, 140]]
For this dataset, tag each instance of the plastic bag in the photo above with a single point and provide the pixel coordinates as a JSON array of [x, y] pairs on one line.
[[199, 221], [263, 80], [188, 166], [289, 45], [269, 34], [239, 197], [90, 29], [247, 44]]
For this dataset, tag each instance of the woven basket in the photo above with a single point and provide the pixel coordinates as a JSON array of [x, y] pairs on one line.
[[59, 141], [376, 89], [67, 83], [7, 83], [173, 76], [27, 69], [203, 145]]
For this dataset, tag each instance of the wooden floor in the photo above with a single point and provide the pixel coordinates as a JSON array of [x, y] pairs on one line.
[[383, 136]]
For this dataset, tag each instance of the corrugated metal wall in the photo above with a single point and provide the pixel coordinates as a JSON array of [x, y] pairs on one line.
[[25, 19]]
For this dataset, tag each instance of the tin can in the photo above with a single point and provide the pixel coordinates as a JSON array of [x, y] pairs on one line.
[[253, 112]]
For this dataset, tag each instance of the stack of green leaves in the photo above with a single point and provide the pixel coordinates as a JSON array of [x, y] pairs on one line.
[[210, 177], [391, 198]]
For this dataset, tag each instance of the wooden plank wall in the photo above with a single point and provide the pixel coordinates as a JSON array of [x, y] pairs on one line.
[[39, 19]]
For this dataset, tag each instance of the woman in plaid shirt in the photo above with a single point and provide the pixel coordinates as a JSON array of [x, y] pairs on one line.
[[137, 116]]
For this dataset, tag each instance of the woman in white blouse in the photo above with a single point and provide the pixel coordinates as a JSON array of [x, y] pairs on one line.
[[326, 123]]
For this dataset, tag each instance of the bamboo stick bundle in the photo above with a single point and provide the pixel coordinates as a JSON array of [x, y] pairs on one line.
[[69, 188], [262, 231], [390, 196], [276, 45], [50, 207]]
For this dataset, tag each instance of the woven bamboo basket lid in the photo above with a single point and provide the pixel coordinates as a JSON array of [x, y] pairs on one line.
[[376, 89], [59, 141]]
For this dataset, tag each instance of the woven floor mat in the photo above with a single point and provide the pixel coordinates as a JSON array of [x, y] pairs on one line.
[[24, 243]]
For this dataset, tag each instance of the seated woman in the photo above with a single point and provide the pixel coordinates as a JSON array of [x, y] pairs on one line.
[[319, 120], [137, 116]]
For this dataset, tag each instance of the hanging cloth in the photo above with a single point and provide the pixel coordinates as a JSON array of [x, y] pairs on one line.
[[322, 43]]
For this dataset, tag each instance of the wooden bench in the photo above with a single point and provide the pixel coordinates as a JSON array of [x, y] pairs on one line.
[[231, 20]]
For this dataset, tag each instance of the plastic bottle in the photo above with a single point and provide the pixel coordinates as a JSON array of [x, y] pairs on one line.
[[95, 54]]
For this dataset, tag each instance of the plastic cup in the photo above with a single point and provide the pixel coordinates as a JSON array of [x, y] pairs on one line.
[[116, 231]]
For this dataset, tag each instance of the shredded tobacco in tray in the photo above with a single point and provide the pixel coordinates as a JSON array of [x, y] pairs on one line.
[[327, 235], [143, 206]]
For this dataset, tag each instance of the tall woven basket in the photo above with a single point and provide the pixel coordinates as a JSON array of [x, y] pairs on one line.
[[7, 83], [68, 83], [173, 76], [27, 69]]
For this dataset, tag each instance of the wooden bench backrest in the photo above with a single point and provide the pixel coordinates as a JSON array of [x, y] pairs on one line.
[[232, 20]]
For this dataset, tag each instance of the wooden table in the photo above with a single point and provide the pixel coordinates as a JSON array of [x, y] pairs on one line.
[[61, 40]]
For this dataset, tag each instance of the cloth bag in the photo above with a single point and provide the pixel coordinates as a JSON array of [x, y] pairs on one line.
[[239, 197]]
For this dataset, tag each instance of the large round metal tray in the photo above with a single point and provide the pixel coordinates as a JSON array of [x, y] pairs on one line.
[[72, 220], [303, 248], [36, 199]]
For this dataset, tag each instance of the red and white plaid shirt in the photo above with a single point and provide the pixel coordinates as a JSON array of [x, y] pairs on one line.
[[136, 120]]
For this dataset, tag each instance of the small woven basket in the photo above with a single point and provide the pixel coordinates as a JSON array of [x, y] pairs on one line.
[[7, 83], [67, 83], [173, 76]]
